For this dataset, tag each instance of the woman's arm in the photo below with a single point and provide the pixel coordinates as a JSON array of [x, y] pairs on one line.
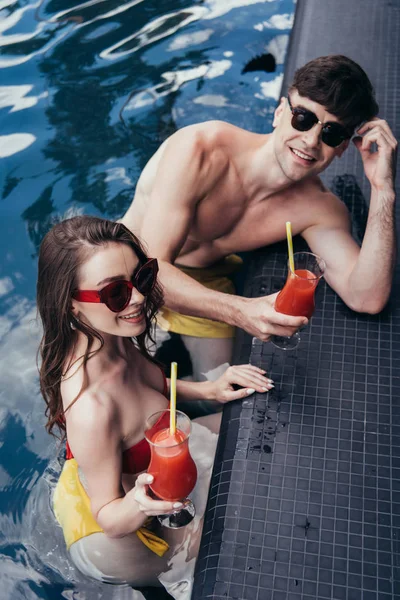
[[94, 435], [248, 377]]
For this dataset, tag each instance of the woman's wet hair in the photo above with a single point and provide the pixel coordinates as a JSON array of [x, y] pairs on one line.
[[64, 249], [340, 85]]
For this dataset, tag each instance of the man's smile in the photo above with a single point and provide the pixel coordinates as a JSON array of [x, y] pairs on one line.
[[303, 156]]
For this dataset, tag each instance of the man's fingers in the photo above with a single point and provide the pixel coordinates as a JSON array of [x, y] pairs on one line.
[[368, 125], [281, 320], [265, 336], [378, 124], [377, 136], [357, 141], [280, 330]]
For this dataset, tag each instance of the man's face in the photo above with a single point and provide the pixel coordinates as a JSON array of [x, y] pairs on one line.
[[302, 154]]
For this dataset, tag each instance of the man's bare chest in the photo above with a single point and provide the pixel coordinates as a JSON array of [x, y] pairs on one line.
[[234, 226]]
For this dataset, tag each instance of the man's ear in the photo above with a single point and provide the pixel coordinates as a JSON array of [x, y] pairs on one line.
[[342, 148], [278, 111]]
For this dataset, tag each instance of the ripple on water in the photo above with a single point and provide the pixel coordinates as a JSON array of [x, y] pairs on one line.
[[88, 92]]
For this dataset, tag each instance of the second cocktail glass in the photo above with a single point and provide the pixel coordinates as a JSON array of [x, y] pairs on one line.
[[171, 465], [297, 296]]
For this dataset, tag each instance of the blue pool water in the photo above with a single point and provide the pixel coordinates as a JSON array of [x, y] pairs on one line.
[[87, 93]]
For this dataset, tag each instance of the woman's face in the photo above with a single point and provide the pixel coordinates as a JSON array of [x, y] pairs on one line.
[[108, 263]]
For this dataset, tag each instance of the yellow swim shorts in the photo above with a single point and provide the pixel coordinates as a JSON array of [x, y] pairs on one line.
[[216, 277], [71, 507]]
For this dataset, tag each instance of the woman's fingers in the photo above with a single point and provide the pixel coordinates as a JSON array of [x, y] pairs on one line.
[[250, 368], [253, 382], [238, 394], [249, 371], [248, 376], [147, 504], [143, 480]]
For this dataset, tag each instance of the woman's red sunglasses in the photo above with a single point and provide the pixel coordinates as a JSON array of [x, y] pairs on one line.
[[117, 295]]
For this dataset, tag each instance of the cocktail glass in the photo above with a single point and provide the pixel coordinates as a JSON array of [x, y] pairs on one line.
[[171, 465], [297, 298]]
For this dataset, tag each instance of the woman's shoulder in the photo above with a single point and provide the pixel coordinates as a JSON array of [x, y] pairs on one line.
[[82, 383], [72, 381]]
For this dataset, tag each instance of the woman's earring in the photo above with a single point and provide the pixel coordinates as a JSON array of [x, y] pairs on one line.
[[74, 319]]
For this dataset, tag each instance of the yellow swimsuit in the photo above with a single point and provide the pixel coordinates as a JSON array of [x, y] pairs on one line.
[[216, 277], [71, 507], [71, 503]]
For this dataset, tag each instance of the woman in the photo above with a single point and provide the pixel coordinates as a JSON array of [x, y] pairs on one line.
[[97, 297]]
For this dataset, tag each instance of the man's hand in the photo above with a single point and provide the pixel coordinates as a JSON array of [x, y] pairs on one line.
[[379, 166], [258, 317]]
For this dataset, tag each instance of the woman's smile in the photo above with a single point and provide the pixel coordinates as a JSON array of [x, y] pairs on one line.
[[135, 316]]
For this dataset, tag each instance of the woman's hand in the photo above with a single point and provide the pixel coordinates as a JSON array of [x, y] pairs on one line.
[[147, 504], [250, 379]]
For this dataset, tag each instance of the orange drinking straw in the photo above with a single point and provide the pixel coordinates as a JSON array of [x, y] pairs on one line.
[[290, 244], [172, 406]]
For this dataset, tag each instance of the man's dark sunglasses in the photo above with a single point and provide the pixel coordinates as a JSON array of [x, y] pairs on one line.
[[117, 295], [333, 134]]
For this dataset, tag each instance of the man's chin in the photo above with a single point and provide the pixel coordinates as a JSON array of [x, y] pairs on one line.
[[295, 172], [295, 175]]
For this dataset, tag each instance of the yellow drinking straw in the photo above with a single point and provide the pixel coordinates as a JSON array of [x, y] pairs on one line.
[[290, 244], [172, 406]]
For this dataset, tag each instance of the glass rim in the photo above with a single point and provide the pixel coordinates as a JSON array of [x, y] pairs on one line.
[[319, 261], [161, 413]]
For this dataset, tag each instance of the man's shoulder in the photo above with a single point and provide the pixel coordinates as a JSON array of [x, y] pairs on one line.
[[209, 134], [315, 191], [320, 201]]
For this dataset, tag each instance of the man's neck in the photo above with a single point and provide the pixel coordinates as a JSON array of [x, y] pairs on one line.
[[260, 173]]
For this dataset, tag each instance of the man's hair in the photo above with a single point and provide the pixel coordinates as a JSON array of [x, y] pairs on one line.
[[340, 85]]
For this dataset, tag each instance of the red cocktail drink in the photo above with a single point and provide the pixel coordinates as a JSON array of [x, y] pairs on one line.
[[297, 296], [171, 465]]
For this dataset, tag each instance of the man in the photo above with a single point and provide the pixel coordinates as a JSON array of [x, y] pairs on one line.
[[213, 189]]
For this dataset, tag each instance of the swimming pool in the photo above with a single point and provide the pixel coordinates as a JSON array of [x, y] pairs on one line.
[[87, 93]]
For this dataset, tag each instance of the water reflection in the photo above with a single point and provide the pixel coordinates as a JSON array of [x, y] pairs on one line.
[[16, 97], [16, 142], [89, 90]]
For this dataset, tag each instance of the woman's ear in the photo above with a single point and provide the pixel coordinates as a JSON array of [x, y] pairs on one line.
[[278, 111], [74, 308]]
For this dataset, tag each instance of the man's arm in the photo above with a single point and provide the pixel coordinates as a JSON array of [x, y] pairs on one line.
[[184, 175], [257, 316], [363, 276]]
